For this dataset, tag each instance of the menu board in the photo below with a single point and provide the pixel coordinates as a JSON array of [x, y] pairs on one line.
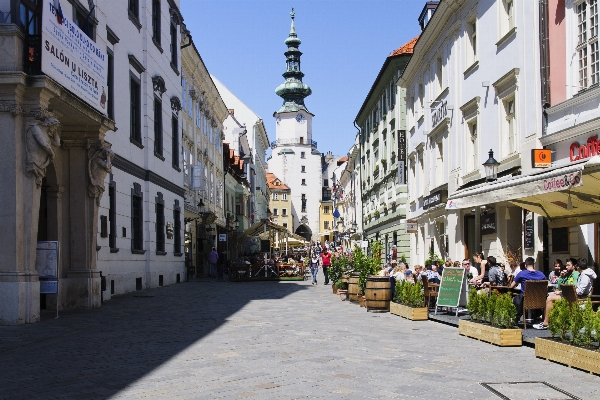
[[453, 291], [528, 231]]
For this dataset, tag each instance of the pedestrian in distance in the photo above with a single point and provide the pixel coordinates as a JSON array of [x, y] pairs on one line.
[[325, 264], [213, 257], [314, 267], [221, 263]]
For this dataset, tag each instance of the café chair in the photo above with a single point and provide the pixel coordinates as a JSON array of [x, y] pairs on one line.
[[534, 297], [430, 290], [568, 292]]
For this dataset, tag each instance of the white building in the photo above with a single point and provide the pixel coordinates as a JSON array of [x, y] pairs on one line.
[[252, 148], [295, 158], [473, 84]]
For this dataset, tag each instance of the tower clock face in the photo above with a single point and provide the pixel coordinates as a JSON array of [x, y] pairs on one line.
[[300, 118]]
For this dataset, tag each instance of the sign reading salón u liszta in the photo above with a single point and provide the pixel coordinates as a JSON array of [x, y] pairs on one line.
[[73, 59]]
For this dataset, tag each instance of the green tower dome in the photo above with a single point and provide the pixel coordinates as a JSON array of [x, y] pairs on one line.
[[293, 90]]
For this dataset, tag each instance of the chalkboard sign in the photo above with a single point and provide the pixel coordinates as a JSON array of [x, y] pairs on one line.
[[560, 240], [265, 246], [528, 229], [453, 288]]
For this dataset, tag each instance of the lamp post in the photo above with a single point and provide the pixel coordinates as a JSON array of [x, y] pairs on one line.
[[491, 167]]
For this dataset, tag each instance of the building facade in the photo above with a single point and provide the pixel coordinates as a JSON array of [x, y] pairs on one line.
[[472, 94], [295, 158], [281, 202], [203, 113], [382, 156]]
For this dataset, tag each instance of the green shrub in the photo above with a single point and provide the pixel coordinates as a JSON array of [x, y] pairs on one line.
[[339, 266], [588, 317], [560, 317], [409, 294], [366, 265], [576, 326], [505, 312], [473, 304], [483, 307], [597, 327], [341, 285], [490, 307]]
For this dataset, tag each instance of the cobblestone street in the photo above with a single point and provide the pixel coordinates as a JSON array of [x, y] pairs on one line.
[[287, 340]]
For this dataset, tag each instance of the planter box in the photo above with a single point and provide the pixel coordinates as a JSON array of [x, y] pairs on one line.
[[565, 353], [490, 334], [414, 314], [343, 294]]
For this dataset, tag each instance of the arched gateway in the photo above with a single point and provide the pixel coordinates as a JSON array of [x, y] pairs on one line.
[[304, 231]]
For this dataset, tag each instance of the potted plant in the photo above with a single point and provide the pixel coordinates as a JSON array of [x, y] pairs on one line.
[[384, 162], [409, 301], [393, 204], [376, 213], [577, 328], [365, 266], [375, 127], [492, 319], [339, 266], [384, 117]]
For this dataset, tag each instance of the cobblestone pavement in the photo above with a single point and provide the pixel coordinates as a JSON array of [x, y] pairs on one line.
[[269, 340]]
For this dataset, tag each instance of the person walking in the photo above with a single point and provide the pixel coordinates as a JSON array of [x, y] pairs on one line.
[[313, 263], [221, 263], [213, 257], [325, 264]]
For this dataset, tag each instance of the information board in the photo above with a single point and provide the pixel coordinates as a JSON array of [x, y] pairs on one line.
[[453, 288], [46, 259]]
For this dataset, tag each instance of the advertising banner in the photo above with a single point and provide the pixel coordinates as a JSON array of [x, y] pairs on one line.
[[72, 59]]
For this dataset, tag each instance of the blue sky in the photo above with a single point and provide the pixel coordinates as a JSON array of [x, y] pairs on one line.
[[344, 45]]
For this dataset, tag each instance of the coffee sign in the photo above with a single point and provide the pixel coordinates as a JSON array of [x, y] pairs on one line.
[[587, 150], [488, 224]]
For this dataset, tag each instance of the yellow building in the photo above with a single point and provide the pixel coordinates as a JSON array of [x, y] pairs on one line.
[[280, 203], [326, 220]]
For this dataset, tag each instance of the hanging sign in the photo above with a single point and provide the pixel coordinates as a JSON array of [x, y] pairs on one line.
[[401, 157], [72, 59], [411, 226], [440, 112], [541, 158]]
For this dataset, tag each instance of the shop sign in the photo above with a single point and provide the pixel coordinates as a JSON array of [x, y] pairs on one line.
[[541, 158], [488, 224], [222, 237], [401, 157], [72, 59], [557, 183], [439, 114], [411, 226], [587, 150], [433, 199]]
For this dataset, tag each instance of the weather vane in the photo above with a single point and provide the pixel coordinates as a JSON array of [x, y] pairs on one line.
[[293, 14]]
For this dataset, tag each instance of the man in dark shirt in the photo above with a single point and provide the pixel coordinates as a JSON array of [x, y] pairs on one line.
[[529, 274]]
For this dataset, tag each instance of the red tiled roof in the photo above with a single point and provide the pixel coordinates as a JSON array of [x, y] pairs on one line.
[[406, 48], [271, 178]]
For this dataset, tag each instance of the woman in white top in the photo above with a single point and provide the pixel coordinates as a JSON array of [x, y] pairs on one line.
[[478, 258]]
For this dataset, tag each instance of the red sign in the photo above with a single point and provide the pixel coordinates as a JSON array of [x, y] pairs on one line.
[[590, 149]]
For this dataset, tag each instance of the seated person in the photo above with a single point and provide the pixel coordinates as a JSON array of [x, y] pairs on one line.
[[496, 275], [530, 274], [569, 275], [585, 278], [432, 276], [555, 274], [466, 264]]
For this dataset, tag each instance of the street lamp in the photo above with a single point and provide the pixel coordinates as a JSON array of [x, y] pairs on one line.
[[236, 224], [491, 167], [354, 227]]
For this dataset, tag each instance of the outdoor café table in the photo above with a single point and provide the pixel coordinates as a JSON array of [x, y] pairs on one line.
[[504, 289]]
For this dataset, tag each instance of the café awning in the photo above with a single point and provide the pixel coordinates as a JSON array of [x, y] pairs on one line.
[[259, 228], [545, 193]]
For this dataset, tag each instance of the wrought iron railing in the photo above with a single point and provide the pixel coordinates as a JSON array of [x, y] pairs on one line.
[[283, 142]]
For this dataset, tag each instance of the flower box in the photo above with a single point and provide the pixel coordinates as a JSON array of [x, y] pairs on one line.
[[565, 353], [414, 314], [490, 334]]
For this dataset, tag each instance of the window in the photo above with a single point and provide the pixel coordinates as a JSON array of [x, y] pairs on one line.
[[325, 182], [177, 229], [472, 146], [275, 211], [158, 128], [110, 107], [284, 196], [421, 97], [135, 112], [420, 173], [510, 136], [112, 214], [438, 75], [326, 224], [472, 42], [326, 210], [508, 19], [304, 182], [303, 168], [83, 19], [439, 165], [29, 13], [175, 140], [587, 43], [275, 196], [301, 140], [302, 154], [156, 21], [285, 225], [137, 219], [133, 8], [284, 212], [160, 224], [174, 46]]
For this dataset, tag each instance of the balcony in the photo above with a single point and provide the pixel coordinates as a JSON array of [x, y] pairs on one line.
[[287, 142]]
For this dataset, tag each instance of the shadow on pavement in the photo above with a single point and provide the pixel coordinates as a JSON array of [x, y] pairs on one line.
[[97, 353]]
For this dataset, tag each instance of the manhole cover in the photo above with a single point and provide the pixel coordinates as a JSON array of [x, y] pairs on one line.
[[528, 391]]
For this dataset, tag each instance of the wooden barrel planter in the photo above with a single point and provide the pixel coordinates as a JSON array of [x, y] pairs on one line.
[[378, 293], [353, 288]]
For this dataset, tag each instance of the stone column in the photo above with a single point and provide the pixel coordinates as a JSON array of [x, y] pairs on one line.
[[89, 162]]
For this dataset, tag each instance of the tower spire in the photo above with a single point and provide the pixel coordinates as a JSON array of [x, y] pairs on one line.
[[293, 90]]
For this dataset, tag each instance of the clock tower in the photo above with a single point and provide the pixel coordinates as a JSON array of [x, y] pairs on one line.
[[295, 158]]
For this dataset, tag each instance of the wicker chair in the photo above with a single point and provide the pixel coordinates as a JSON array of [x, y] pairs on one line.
[[430, 290], [534, 297], [568, 292]]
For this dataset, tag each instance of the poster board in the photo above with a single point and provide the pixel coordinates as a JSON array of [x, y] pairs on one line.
[[453, 289]]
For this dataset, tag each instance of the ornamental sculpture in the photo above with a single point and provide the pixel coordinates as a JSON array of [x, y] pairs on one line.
[[40, 137], [100, 158]]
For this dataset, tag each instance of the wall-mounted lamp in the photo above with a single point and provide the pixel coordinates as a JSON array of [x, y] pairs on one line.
[[491, 167]]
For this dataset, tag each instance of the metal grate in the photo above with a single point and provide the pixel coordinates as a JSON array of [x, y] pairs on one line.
[[534, 390]]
